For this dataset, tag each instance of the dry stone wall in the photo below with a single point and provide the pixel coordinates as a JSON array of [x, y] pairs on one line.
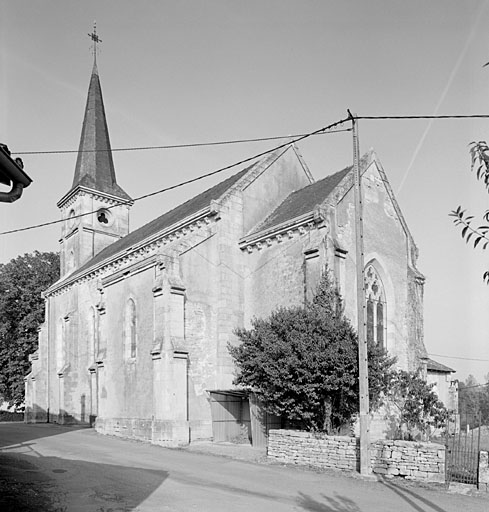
[[483, 473], [411, 460]]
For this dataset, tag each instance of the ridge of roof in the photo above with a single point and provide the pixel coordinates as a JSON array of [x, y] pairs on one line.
[[94, 167]]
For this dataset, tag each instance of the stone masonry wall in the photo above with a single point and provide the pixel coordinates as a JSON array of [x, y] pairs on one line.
[[483, 473], [411, 460]]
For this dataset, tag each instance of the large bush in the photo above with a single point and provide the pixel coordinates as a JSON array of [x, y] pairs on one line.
[[302, 363]]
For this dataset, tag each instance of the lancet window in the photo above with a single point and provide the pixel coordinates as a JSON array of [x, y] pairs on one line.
[[376, 307]]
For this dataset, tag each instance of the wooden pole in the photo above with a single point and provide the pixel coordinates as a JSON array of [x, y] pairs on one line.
[[361, 305]]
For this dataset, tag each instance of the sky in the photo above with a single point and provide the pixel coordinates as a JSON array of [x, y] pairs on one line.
[[183, 72]]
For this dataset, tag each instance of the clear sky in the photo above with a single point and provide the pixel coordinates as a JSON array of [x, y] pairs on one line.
[[177, 72]]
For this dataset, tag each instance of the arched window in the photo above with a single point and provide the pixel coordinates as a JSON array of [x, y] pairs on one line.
[[376, 307], [130, 329]]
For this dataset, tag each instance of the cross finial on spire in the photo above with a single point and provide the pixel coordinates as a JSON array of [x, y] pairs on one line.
[[95, 38]]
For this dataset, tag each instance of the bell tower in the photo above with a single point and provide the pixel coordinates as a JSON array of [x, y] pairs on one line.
[[95, 211]]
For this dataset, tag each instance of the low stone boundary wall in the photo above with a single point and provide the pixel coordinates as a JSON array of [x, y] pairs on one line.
[[313, 449], [483, 472], [411, 460]]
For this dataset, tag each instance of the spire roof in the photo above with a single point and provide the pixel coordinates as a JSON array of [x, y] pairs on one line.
[[94, 165]]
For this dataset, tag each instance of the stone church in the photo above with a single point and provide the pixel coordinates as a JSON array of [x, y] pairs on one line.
[[137, 327]]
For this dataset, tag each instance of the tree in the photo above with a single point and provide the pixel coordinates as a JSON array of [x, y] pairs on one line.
[[479, 236], [473, 401], [418, 406], [21, 313], [302, 362]]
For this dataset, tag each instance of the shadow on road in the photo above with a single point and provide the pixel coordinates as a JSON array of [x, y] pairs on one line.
[[409, 497], [52, 484], [12, 433], [330, 504]]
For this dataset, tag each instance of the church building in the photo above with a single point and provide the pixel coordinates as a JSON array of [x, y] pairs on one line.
[[137, 328]]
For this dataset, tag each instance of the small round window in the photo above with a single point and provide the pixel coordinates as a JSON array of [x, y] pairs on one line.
[[104, 217]]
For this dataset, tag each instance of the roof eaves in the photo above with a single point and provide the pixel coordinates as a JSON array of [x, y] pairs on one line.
[[80, 188], [435, 366], [84, 273], [314, 217]]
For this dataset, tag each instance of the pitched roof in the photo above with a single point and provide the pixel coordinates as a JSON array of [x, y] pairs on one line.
[[166, 220], [94, 165], [435, 366], [303, 201]]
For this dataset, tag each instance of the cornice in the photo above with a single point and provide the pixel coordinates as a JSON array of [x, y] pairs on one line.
[[70, 197], [286, 230], [138, 252]]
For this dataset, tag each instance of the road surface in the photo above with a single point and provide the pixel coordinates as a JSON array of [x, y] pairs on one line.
[[53, 468]]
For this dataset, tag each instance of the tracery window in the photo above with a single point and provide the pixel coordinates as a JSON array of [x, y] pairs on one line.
[[130, 329], [376, 307]]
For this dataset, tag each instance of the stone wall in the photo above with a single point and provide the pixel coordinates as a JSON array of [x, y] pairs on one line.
[[411, 460], [483, 473]]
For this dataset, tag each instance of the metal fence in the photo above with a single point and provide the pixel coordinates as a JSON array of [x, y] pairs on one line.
[[463, 443]]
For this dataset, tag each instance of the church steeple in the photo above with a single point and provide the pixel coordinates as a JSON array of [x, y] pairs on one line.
[[94, 166], [96, 208]]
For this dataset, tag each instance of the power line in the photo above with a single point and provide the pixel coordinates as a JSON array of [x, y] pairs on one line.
[[296, 138], [242, 141], [172, 146], [181, 184], [463, 358], [461, 116]]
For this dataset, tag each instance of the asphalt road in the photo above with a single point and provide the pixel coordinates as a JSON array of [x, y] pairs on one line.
[[53, 468]]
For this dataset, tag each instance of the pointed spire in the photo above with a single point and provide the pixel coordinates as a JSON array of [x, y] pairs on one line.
[[94, 165]]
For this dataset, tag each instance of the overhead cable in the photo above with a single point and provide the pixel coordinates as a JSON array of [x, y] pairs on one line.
[[463, 358], [181, 184], [461, 116], [173, 146]]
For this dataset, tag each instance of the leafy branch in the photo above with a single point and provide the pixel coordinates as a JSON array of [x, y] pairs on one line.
[[480, 161], [479, 234], [479, 155]]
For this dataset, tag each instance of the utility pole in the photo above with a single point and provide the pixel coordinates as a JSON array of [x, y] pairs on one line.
[[362, 341]]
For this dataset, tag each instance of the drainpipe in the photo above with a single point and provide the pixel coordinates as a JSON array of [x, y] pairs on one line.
[[13, 195], [12, 173]]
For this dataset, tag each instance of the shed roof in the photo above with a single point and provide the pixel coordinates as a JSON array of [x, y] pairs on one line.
[[435, 366]]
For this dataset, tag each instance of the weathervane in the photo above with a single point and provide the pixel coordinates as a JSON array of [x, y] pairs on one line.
[[95, 38]]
